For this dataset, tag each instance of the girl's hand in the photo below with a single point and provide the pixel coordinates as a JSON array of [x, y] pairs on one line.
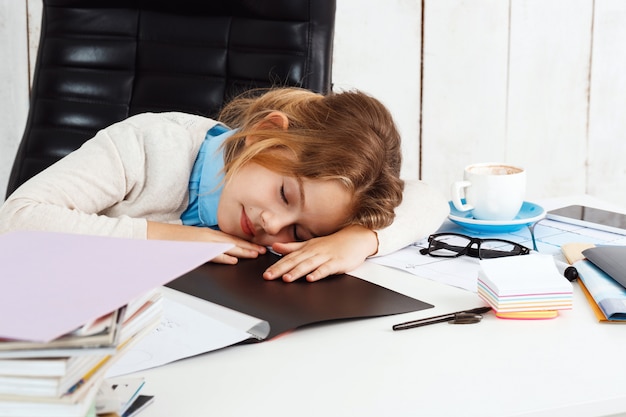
[[320, 257], [242, 248]]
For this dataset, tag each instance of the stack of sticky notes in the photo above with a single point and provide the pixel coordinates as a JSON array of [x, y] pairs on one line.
[[529, 283]]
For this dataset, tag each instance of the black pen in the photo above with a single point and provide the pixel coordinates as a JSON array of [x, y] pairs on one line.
[[443, 318]]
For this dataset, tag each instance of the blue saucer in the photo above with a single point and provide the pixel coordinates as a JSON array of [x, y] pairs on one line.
[[529, 213]]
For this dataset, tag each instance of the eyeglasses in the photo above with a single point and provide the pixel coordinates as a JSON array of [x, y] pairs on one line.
[[452, 245]]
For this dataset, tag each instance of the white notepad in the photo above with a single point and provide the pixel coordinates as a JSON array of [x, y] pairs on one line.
[[524, 283]]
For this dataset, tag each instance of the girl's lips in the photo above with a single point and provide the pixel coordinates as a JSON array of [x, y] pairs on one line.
[[246, 224]]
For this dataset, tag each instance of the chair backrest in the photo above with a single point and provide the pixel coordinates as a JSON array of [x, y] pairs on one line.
[[100, 61]]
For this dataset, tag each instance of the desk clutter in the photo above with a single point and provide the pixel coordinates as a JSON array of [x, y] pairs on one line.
[[602, 277], [77, 304], [64, 377], [524, 287], [89, 300]]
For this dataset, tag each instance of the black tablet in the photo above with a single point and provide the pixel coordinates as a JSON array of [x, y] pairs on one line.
[[594, 218]]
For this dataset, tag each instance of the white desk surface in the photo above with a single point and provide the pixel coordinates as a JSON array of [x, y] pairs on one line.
[[569, 366]]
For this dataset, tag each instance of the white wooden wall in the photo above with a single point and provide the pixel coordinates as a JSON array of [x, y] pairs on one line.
[[539, 83], [508, 81]]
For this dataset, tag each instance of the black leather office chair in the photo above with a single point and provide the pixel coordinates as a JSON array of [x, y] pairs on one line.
[[100, 61]]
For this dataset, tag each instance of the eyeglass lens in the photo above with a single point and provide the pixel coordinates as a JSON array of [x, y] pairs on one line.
[[453, 245]]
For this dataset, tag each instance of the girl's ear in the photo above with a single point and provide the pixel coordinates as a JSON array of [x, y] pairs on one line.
[[275, 119]]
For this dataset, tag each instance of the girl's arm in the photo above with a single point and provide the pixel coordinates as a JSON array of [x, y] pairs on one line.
[[242, 248], [422, 211], [134, 170], [70, 195]]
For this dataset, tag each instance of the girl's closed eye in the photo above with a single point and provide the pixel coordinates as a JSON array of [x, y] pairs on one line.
[[296, 237], [294, 228]]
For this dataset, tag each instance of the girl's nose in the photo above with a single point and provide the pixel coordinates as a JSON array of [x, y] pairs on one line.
[[273, 223]]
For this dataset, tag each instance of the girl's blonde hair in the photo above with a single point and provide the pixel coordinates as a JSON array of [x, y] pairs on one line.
[[349, 137]]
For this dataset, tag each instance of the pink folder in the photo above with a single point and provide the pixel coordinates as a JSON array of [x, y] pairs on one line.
[[52, 283]]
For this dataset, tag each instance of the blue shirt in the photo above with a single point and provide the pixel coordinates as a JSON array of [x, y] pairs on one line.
[[205, 183]]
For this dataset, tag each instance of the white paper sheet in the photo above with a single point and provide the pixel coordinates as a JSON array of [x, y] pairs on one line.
[[183, 332], [462, 272]]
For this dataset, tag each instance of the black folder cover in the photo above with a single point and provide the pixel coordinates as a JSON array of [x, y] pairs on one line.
[[610, 259], [286, 306]]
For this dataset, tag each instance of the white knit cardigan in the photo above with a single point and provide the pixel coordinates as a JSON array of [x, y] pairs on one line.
[[138, 170]]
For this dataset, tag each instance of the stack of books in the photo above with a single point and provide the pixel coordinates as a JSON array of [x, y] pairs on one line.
[[62, 377], [71, 305], [524, 284]]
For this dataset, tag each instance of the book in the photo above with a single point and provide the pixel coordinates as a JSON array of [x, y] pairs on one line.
[[77, 405], [76, 341], [50, 386], [73, 302], [77, 402], [39, 387], [75, 344], [608, 295], [592, 303], [43, 367], [524, 283]]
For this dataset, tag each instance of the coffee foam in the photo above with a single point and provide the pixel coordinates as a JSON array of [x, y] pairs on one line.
[[495, 170]]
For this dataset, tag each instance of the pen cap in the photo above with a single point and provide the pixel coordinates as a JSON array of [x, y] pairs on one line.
[[571, 273]]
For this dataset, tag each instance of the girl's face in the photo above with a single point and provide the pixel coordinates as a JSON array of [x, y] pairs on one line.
[[265, 207]]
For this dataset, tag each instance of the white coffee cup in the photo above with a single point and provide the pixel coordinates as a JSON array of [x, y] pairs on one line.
[[493, 191]]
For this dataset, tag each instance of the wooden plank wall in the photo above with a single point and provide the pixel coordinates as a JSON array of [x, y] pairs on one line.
[[512, 85], [606, 150], [377, 50], [464, 105], [539, 83], [549, 69]]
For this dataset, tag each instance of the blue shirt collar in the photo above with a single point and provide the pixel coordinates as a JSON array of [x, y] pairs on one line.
[[205, 183]]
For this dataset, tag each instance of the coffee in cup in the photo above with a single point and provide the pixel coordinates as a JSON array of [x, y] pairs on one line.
[[493, 191]]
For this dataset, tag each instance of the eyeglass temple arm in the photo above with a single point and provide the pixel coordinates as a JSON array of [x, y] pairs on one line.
[[460, 250]]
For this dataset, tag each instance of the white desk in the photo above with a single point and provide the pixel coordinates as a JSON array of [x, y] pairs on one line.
[[568, 366]]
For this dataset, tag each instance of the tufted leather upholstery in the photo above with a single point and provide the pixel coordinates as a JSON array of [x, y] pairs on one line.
[[100, 61]]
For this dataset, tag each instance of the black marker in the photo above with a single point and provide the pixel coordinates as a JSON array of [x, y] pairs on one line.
[[568, 271]]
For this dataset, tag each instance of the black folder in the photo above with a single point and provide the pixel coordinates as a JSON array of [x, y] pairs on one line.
[[286, 306], [610, 259]]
